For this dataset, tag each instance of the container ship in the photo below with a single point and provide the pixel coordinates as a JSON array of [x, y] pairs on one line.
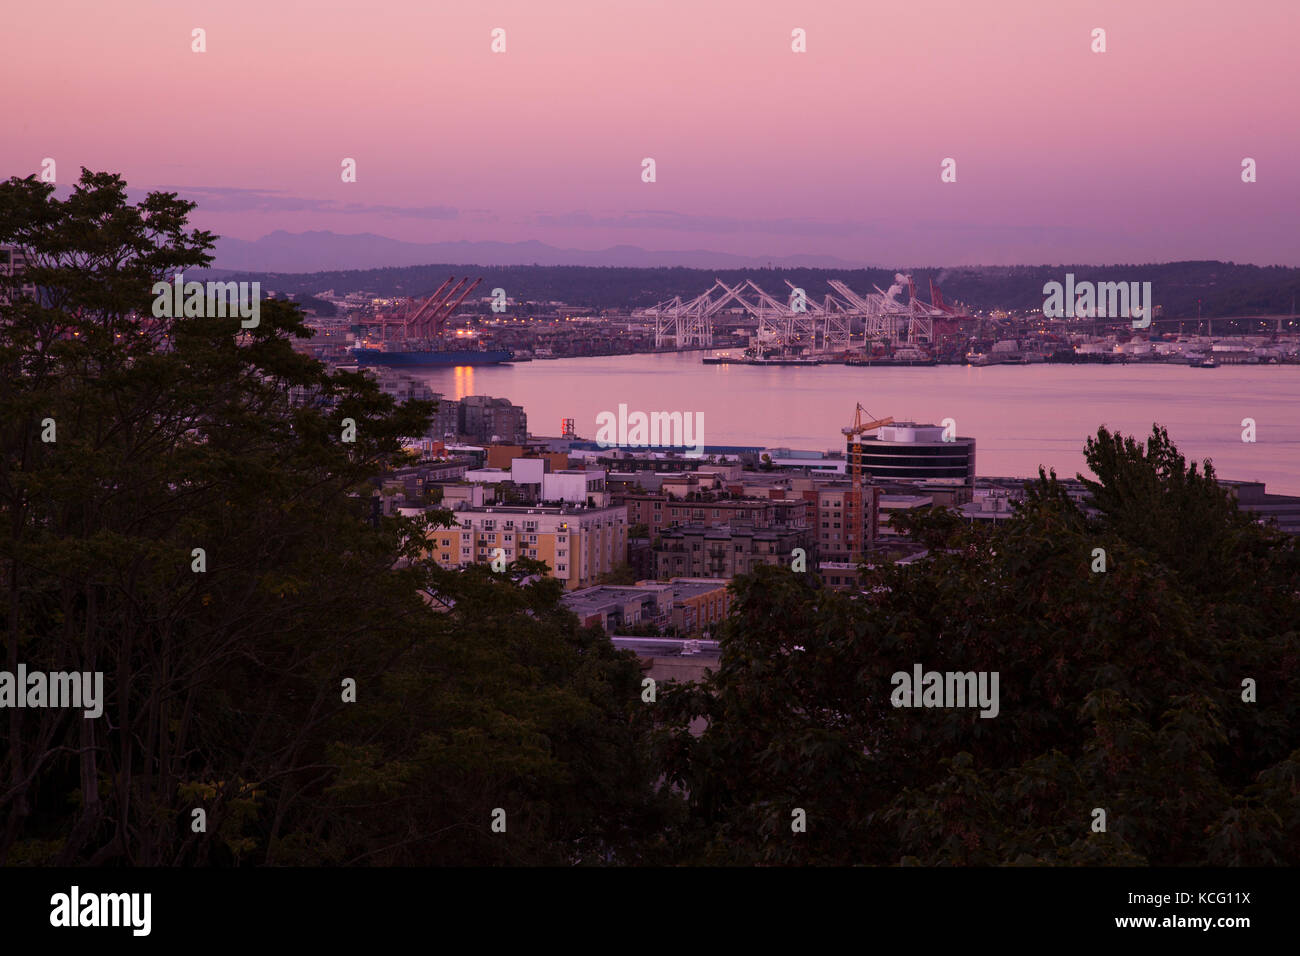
[[415, 334]]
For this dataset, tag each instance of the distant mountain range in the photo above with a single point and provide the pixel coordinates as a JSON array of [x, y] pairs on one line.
[[324, 251], [1180, 289]]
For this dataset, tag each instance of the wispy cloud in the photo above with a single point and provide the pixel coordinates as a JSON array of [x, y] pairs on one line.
[[232, 199]]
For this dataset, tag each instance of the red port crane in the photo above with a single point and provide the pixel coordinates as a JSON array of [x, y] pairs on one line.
[[436, 320]]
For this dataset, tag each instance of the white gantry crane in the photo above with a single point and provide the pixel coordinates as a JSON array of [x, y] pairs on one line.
[[801, 322], [688, 323]]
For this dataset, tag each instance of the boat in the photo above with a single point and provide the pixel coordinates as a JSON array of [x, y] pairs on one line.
[[1207, 362], [781, 360], [900, 357], [760, 360], [891, 362]]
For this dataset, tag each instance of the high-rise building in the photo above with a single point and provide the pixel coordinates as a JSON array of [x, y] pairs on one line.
[[445, 421], [834, 520], [492, 420]]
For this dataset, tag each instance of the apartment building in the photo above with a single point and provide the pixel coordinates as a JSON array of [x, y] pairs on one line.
[[577, 543], [660, 511], [487, 419], [723, 552], [444, 423], [834, 518]]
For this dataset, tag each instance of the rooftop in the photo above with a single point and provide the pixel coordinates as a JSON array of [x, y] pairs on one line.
[[693, 587], [559, 509], [594, 599]]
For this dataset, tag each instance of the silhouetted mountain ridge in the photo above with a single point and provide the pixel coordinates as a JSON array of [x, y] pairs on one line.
[[1223, 288], [282, 251]]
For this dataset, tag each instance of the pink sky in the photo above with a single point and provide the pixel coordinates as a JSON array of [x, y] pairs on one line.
[[1062, 154]]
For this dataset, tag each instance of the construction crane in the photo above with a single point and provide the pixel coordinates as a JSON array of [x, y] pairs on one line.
[[854, 526]]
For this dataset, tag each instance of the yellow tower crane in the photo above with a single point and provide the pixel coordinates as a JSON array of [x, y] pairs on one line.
[[854, 526]]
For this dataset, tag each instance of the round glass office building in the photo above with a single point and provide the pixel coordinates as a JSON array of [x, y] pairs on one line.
[[906, 451]]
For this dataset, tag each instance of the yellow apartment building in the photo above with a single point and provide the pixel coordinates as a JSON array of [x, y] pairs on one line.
[[577, 543]]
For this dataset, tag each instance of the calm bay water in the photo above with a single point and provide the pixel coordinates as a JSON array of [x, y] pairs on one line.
[[1020, 416]]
